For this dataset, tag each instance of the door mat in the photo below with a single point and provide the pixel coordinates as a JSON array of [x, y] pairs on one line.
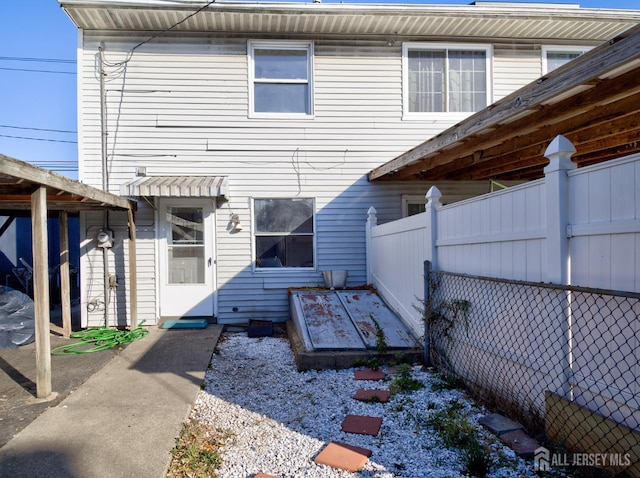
[[186, 324]]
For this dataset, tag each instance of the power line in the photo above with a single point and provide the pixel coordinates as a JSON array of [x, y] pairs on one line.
[[38, 129], [39, 71], [37, 139], [43, 60]]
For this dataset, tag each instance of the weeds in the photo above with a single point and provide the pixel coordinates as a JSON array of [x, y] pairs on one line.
[[456, 430], [446, 382], [196, 453], [404, 382]]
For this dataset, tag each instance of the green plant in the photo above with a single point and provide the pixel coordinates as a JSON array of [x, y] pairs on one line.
[[196, 452], [476, 459], [404, 381], [452, 426], [446, 381], [381, 340], [447, 314]]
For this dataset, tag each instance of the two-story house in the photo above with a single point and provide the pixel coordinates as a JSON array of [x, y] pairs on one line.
[[245, 131]]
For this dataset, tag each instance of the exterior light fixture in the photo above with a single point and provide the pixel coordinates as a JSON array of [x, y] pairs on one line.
[[235, 223]]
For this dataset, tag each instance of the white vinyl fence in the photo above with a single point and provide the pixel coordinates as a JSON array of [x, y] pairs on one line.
[[573, 227]]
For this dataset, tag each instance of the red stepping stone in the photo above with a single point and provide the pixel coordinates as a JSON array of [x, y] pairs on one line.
[[264, 475], [361, 424], [342, 456], [372, 395], [368, 374]]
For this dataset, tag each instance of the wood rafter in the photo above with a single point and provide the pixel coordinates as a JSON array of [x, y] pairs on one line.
[[594, 102]]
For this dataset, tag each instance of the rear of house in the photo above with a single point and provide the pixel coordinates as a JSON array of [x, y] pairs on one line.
[[246, 132]]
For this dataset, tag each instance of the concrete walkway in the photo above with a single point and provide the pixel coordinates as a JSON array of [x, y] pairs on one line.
[[122, 421]]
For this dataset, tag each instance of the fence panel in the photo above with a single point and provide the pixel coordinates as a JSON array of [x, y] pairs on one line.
[[497, 235], [605, 225], [561, 359], [398, 251]]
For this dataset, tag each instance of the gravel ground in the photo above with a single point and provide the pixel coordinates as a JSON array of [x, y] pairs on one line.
[[279, 419]]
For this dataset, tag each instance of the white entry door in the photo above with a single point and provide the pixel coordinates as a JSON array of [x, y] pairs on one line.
[[187, 265]]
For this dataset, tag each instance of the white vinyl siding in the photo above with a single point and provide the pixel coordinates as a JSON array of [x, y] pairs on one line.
[[514, 66], [180, 108]]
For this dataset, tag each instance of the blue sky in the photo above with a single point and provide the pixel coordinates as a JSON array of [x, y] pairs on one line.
[[38, 108]]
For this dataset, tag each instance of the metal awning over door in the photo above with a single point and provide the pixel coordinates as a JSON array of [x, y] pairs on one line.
[[176, 186]]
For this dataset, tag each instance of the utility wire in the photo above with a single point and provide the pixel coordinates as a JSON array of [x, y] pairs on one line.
[[38, 129], [39, 71], [173, 26], [37, 139], [43, 60], [130, 53]]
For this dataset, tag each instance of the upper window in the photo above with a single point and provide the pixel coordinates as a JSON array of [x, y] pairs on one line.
[[445, 79], [284, 232], [555, 57], [281, 78]]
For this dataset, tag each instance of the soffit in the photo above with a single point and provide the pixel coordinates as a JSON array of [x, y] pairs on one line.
[[488, 21]]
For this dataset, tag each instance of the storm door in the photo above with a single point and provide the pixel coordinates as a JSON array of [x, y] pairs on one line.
[[186, 246]]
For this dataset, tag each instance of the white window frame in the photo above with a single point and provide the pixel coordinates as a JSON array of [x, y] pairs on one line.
[[411, 199], [546, 49], [254, 252], [433, 115], [307, 46]]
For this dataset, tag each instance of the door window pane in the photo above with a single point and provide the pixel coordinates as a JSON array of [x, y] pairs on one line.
[[185, 245]]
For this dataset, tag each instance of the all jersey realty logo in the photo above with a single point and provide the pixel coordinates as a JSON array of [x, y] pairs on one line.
[[544, 460]]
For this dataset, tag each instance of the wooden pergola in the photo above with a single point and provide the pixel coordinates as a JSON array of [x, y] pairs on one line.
[[29, 190], [594, 101]]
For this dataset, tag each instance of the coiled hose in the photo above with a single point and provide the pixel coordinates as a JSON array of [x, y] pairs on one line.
[[95, 339]]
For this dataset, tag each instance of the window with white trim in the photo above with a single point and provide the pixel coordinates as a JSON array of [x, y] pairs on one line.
[[556, 56], [445, 78], [284, 232], [280, 78]]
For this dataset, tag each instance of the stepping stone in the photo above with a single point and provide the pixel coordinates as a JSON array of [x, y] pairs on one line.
[[521, 443], [342, 456], [368, 374], [497, 424], [361, 424], [372, 395], [264, 475]]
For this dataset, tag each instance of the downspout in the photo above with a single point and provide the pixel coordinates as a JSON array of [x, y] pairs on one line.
[[105, 180]]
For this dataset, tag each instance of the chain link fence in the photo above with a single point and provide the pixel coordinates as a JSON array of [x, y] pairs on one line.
[[561, 360]]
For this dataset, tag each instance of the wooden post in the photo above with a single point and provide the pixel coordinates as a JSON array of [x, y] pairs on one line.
[[65, 284], [41, 291], [133, 277]]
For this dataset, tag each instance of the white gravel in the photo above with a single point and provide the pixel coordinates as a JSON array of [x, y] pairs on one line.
[[279, 419]]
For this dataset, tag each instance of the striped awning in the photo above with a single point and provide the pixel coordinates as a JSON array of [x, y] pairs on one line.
[[176, 186]]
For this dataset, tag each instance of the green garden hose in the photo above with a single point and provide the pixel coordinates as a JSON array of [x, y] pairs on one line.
[[95, 339]]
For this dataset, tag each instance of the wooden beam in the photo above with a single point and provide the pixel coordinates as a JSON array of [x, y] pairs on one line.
[[133, 274], [585, 71], [65, 284], [41, 292], [19, 169], [594, 123]]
